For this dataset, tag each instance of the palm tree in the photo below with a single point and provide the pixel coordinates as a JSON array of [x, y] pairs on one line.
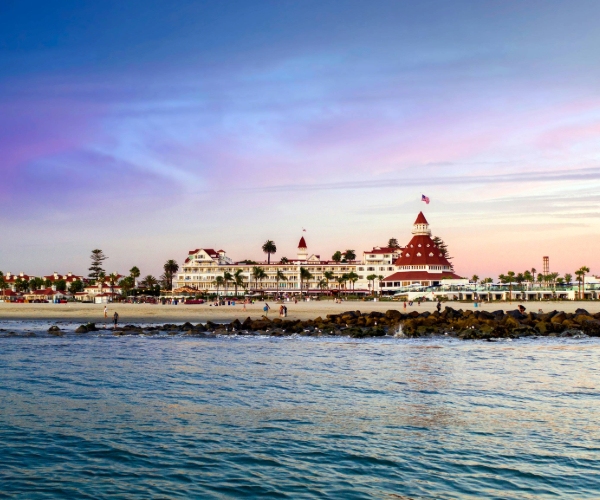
[[328, 275], [341, 280], [322, 284], [305, 275], [372, 278], [528, 277], [149, 281], [568, 278], [533, 272], [134, 272], [352, 278], [3, 284], [112, 281], [101, 279], [520, 278], [257, 273], [581, 272], [227, 278], [238, 280], [269, 248], [219, 281], [337, 257], [540, 279], [170, 267], [510, 276], [284, 260], [475, 278], [380, 278], [279, 277], [349, 255]]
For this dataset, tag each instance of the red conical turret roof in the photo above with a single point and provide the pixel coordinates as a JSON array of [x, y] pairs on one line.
[[421, 219], [302, 243]]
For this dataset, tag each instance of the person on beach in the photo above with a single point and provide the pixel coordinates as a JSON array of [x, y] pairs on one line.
[[245, 302], [116, 318], [266, 309], [439, 306], [105, 312], [405, 305], [285, 311], [281, 311]]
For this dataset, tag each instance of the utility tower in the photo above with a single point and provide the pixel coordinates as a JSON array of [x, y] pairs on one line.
[[546, 266]]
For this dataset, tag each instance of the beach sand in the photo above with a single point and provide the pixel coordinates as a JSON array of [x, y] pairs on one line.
[[196, 313]]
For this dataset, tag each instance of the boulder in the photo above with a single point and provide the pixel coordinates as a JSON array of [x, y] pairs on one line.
[[591, 328], [81, 329], [558, 318], [582, 311]]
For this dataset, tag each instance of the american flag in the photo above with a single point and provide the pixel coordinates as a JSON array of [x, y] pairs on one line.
[[425, 199]]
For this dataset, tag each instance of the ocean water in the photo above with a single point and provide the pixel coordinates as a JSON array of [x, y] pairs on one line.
[[237, 417]]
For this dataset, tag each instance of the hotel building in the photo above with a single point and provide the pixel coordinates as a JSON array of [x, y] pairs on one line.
[[419, 262]]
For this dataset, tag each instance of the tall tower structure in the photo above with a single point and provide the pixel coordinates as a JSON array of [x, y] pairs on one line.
[[302, 250], [546, 266]]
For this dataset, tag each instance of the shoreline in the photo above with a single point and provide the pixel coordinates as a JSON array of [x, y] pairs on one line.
[[196, 313]]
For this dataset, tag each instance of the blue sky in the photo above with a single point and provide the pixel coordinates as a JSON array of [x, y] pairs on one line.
[[151, 128]]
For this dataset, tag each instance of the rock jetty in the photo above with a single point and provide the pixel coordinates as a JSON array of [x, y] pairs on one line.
[[466, 325]]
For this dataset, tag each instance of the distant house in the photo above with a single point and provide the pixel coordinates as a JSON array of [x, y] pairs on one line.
[[48, 294]]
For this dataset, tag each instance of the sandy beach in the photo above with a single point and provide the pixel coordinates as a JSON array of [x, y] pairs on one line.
[[153, 313]]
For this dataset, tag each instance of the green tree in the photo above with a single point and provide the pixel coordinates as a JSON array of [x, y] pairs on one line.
[[533, 273], [510, 276], [305, 276], [21, 285], [352, 278], [61, 285], [568, 278], [380, 278], [149, 281], [227, 278], [349, 255], [127, 284], [101, 279], [371, 278], [284, 260], [322, 284], [112, 282], [269, 248], [279, 277], [520, 278], [219, 281], [443, 248], [337, 257], [257, 273], [134, 272], [171, 267], [76, 287], [393, 243], [238, 280], [580, 273], [328, 275], [475, 278], [97, 258], [3, 284]]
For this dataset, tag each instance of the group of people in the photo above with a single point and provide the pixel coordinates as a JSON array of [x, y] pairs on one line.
[[115, 316]]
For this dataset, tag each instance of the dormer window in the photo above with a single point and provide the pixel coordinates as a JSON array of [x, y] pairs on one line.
[[408, 255], [431, 254], [418, 254], [419, 244]]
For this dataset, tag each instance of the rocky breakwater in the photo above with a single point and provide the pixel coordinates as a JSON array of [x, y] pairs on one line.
[[465, 325], [485, 325]]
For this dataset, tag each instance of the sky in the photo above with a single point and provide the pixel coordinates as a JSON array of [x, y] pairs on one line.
[[151, 128]]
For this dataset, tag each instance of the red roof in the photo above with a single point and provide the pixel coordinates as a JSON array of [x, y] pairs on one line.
[[421, 251], [9, 293], [420, 276], [302, 243], [421, 219]]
